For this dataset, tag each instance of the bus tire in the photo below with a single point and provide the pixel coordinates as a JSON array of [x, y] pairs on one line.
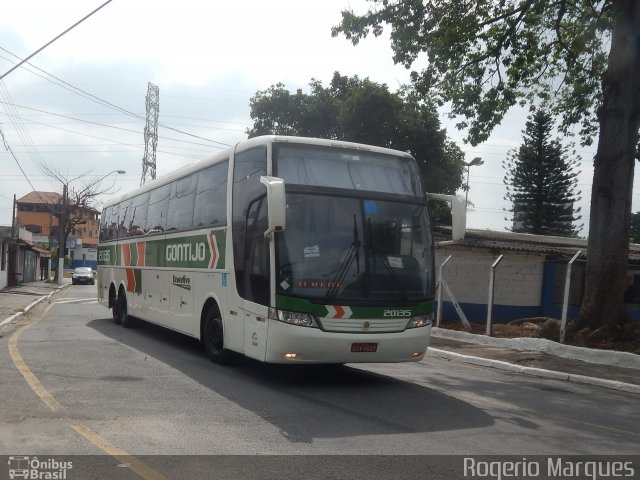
[[113, 301], [213, 338], [123, 317]]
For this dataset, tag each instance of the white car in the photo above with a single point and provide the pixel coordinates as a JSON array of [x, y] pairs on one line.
[[83, 275]]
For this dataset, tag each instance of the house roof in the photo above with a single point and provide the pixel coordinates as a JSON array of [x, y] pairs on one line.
[[47, 198], [41, 251], [526, 243], [40, 198]]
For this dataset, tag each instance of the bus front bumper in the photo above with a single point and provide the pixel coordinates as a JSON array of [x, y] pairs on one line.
[[295, 344]]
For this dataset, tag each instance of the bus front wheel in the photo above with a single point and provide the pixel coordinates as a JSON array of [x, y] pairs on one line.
[[213, 338]]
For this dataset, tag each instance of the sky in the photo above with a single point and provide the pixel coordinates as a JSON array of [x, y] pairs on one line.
[[207, 59]]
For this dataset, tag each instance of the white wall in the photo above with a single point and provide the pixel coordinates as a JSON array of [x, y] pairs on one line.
[[3, 273], [518, 279]]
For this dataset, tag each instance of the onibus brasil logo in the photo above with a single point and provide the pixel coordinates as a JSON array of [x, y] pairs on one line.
[[38, 469]]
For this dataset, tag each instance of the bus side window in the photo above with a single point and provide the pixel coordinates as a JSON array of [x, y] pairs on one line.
[[158, 205], [113, 222], [125, 211], [183, 192], [104, 224], [139, 215], [127, 218], [210, 209]]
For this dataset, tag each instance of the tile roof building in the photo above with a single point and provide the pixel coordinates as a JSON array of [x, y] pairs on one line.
[[36, 212], [529, 281]]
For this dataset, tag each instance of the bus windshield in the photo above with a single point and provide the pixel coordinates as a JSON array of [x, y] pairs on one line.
[[338, 250], [347, 169]]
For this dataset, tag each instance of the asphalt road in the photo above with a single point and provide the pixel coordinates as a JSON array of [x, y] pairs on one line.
[[75, 383]]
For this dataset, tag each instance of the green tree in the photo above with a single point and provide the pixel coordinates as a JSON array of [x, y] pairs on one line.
[[486, 56], [363, 111], [541, 181]]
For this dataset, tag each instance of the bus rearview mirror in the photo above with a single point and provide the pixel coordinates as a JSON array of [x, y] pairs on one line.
[[276, 204]]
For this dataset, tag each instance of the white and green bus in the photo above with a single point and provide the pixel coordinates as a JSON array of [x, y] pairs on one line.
[[284, 249]]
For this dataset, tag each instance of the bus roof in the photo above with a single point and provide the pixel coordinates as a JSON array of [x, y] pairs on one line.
[[244, 145]]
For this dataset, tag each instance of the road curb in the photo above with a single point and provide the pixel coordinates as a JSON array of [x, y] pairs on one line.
[[30, 306], [601, 357], [536, 372]]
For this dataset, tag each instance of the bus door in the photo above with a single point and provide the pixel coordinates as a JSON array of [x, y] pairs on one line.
[[251, 248], [256, 278]]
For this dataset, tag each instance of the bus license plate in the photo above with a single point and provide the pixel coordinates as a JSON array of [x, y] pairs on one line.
[[364, 347]]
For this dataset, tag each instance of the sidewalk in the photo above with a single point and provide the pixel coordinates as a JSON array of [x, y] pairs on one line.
[[14, 301], [541, 358]]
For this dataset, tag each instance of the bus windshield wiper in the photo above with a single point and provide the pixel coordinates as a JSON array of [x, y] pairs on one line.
[[352, 254]]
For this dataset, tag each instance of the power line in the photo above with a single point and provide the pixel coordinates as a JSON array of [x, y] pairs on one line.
[[8, 148], [100, 124], [20, 127], [108, 126], [82, 93], [56, 38]]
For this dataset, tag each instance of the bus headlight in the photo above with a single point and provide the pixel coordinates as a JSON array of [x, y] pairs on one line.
[[295, 318], [420, 321]]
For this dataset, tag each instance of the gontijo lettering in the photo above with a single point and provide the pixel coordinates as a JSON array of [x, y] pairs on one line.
[[189, 252]]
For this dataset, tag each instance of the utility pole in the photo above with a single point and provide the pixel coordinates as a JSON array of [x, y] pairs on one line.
[[150, 134], [61, 236], [13, 218]]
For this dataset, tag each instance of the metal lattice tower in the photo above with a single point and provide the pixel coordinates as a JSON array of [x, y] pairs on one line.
[[150, 134]]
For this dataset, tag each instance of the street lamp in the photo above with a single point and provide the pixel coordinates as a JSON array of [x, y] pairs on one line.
[[119, 172], [475, 161]]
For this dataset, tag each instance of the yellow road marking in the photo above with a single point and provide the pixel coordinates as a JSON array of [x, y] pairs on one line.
[[122, 456], [28, 375], [136, 465]]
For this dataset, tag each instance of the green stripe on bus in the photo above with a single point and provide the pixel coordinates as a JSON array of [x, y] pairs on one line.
[[206, 251], [137, 274], [304, 306]]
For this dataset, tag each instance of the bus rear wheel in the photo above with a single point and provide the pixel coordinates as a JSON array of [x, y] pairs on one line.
[[121, 311], [113, 300], [213, 338]]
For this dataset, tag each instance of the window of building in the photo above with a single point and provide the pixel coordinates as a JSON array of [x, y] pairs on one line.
[[37, 229]]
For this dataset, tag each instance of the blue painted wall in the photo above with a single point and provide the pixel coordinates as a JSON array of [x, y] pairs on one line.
[[86, 263], [507, 313]]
